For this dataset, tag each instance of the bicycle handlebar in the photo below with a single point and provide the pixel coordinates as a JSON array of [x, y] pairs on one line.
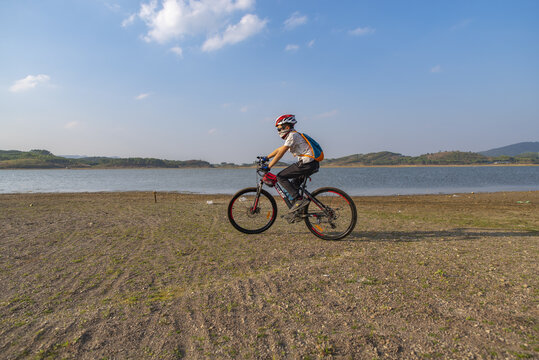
[[261, 162]]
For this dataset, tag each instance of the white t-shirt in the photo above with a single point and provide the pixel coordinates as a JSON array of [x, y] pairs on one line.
[[299, 147]]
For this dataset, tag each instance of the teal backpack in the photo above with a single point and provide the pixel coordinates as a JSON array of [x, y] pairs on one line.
[[315, 147]]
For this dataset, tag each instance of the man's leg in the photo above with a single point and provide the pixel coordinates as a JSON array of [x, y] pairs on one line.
[[291, 172]]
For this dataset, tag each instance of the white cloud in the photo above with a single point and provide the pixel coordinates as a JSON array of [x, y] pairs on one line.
[[176, 19], [291, 47], [71, 125], [177, 50], [311, 43], [361, 31], [244, 109], [113, 7], [130, 20], [295, 20], [29, 82], [327, 115], [248, 26], [142, 96], [436, 69], [212, 131]]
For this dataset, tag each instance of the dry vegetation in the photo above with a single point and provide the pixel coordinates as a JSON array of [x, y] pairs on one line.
[[117, 276]]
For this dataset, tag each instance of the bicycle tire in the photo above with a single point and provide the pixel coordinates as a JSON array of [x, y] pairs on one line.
[[343, 214], [241, 214]]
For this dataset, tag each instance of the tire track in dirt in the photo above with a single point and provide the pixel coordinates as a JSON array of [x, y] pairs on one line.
[[257, 311], [87, 279], [69, 284], [137, 249], [47, 290], [111, 295], [243, 321], [282, 294], [244, 317]]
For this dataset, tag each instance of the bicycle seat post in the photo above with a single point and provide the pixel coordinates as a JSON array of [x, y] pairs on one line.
[[303, 185]]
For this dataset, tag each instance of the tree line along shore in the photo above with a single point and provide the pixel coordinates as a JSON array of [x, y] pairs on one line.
[[44, 159]]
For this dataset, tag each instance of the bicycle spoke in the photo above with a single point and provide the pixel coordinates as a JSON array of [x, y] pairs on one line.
[[251, 214], [333, 217]]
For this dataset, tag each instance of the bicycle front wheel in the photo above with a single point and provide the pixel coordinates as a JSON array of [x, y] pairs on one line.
[[333, 217], [252, 214]]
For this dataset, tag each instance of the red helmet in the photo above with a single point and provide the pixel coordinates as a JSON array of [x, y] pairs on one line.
[[285, 119]]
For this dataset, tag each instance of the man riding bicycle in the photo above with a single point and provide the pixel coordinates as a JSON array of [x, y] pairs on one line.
[[328, 212], [299, 147]]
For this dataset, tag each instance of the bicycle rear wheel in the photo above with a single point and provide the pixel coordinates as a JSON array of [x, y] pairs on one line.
[[251, 214], [336, 216]]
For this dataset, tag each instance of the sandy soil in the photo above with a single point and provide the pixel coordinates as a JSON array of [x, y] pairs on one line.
[[117, 276]]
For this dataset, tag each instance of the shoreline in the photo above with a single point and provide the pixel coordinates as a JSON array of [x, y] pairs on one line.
[[276, 167], [195, 194], [449, 165]]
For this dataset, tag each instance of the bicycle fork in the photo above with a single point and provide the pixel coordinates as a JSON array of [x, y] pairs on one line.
[[254, 208]]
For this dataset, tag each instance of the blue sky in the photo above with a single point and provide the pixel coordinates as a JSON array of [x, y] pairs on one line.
[[204, 79]]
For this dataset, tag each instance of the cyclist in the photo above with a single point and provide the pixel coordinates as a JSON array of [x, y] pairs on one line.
[[306, 164]]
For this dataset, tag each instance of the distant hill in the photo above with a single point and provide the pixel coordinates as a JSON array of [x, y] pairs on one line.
[[388, 158], [43, 159], [513, 150], [378, 158]]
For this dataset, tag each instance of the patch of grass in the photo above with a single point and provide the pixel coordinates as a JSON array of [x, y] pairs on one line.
[[164, 295], [179, 353], [78, 261], [520, 355], [231, 306], [370, 281], [20, 323], [131, 300], [22, 299], [261, 333], [440, 273], [52, 352], [232, 351], [324, 346], [433, 355]]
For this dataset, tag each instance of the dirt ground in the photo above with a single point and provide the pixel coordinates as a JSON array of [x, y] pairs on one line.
[[118, 276]]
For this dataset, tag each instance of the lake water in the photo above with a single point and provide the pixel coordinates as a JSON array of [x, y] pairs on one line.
[[355, 181]]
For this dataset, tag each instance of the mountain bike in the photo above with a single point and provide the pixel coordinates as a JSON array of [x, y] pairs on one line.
[[330, 214]]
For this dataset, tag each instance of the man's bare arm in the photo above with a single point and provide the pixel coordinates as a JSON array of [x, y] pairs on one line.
[[277, 154]]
